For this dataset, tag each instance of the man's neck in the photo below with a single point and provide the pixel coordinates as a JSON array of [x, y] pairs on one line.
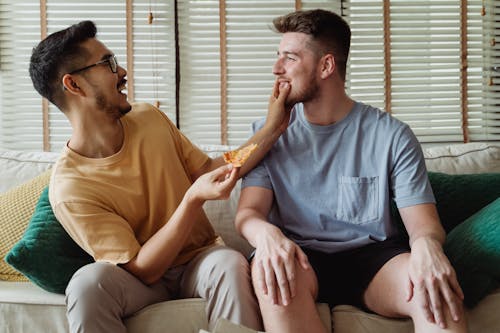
[[97, 138], [328, 108]]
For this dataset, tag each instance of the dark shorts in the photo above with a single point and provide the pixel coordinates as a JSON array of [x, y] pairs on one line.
[[343, 277]]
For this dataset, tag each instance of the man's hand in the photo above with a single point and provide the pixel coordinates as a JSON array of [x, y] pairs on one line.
[[278, 114], [213, 185], [274, 261], [432, 280]]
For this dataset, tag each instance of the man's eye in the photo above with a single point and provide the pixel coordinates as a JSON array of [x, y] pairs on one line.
[[290, 58]]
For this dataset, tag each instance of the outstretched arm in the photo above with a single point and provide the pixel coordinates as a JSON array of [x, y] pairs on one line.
[[160, 251], [275, 254], [277, 119], [432, 279]]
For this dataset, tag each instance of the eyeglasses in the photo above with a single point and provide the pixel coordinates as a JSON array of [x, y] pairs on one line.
[[111, 61]]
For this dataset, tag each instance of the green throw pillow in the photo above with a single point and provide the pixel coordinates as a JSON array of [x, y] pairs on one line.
[[473, 248], [459, 196], [46, 254]]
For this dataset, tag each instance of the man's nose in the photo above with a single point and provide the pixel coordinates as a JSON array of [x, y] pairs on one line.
[[278, 67], [122, 71]]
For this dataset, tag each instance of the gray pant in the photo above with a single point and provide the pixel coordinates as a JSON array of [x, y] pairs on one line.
[[100, 294]]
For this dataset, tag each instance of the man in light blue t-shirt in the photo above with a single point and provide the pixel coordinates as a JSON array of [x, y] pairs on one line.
[[317, 208]]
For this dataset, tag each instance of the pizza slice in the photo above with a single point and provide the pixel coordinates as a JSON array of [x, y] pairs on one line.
[[238, 157]]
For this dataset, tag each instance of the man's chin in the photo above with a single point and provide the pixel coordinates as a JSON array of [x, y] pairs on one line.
[[126, 109]]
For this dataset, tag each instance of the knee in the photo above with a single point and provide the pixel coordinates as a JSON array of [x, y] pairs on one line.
[[90, 281], [234, 265], [306, 285]]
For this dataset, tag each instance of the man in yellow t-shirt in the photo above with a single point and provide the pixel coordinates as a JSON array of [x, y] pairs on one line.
[[129, 189]]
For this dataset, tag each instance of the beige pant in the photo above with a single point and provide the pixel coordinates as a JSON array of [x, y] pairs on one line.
[[99, 295]]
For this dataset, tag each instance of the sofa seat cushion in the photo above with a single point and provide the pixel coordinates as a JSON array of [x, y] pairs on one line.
[[348, 319]]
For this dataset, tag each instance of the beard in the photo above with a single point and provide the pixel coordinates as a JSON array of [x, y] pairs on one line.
[[309, 92], [109, 108]]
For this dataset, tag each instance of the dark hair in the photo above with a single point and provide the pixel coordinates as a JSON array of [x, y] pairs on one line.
[[329, 32], [56, 55]]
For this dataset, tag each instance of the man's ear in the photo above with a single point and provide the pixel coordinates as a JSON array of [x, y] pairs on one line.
[[327, 63], [70, 85]]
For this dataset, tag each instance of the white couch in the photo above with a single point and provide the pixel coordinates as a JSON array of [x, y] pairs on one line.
[[25, 307]]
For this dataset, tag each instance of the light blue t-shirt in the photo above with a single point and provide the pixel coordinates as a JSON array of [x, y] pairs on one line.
[[333, 184]]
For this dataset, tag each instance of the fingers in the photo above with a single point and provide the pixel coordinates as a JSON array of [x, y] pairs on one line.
[[436, 306], [261, 277], [276, 274], [434, 294], [275, 282], [276, 89], [302, 258], [284, 90], [423, 299], [270, 283], [456, 287], [451, 299], [281, 272]]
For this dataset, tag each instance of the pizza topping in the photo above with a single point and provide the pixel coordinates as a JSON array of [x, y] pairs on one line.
[[238, 157]]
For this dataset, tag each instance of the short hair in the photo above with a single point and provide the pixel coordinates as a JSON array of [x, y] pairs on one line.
[[330, 33], [56, 55]]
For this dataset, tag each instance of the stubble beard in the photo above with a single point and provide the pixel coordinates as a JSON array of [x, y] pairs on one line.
[[113, 110], [309, 93]]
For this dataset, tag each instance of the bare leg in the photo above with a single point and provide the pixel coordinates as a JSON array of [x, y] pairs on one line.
[[386, 295], [298, 316]]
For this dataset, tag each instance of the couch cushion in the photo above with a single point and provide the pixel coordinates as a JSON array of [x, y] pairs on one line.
[[16, 207], [46, 254], [473, 248], [476, 157], [348, 319], [18, 167]]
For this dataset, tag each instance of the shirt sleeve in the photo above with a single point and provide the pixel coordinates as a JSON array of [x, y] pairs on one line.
[[409, 181], [193, 157], [104, 235]]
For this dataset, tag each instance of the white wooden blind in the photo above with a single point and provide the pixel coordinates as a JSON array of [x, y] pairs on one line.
[[423, 37], [154, 61], [251, 47], [425, 83], [20, 113]]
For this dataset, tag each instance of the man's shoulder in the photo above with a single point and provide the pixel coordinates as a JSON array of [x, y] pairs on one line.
[[142, 107], [379, 117], [145, 113]]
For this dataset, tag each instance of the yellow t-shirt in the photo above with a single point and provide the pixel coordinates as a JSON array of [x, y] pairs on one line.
[[111, 206]]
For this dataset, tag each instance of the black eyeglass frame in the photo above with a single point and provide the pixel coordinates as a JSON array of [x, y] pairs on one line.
[[111, 60]]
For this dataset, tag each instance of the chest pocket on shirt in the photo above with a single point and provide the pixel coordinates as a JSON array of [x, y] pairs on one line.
[[358, 199]]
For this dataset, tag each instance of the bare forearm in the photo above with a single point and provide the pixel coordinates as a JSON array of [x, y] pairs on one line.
[[422, 221], [253, 225], [264, 138], [157, 255]]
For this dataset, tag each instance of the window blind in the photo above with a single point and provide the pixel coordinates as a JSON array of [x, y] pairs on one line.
[[20, 114], [408, 58], [424, 76], [153, 58], [251, 47]]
